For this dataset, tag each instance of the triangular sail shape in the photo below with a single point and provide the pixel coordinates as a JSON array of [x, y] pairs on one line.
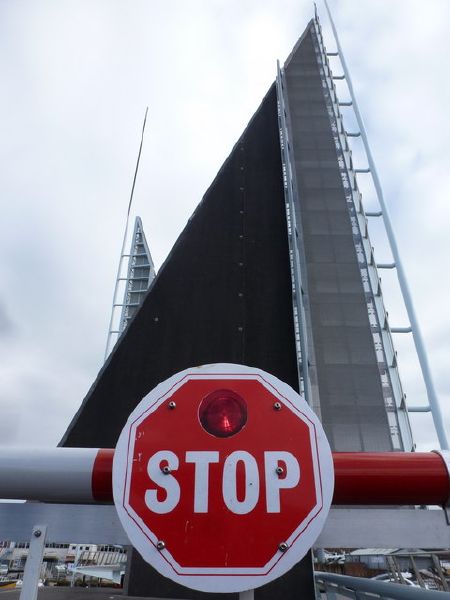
[[223, 295], [140, 274]]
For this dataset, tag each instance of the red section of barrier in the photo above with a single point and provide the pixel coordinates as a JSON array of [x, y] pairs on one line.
[[390, 478], [102, 476], [361, 478]]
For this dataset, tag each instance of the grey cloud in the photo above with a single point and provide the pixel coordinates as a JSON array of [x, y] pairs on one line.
[[9, 425], [7, 326]]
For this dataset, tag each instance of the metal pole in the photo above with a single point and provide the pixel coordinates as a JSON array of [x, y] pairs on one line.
[[75, 564], [247, 595], [417, 336], [34, 563]]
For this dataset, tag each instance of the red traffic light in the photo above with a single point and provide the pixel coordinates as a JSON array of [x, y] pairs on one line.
[[223, 413]]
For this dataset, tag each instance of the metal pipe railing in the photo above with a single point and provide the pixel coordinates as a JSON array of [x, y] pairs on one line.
[[343, 584]]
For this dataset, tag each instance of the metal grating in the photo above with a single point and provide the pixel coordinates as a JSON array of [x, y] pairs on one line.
[[347, 362], [141, 272], [139, 275], [393, 395], [290, 193]]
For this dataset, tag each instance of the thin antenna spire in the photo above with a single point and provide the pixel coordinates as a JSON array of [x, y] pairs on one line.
[[125, 233], [137, 163]]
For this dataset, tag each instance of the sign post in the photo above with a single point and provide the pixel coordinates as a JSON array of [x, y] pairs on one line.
[[223, 478]]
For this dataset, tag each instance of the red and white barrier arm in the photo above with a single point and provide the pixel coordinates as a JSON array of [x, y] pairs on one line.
[[84, 475], [72, 475]]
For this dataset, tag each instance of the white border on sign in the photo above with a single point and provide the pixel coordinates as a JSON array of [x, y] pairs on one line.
[[224, 579]]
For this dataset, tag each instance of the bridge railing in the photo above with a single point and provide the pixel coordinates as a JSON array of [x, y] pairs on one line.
[[336, 587]]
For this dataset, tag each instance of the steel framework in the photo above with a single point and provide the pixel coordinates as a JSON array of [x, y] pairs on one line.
[[393, 395], [139, 276], [378, 309]]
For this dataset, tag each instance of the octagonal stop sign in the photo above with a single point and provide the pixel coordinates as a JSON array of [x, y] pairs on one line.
[[222, 478]]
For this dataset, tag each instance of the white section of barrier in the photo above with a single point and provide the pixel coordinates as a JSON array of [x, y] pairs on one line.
[[56, 474]]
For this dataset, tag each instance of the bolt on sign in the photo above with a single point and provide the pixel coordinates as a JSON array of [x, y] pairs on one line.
[[223, 478]]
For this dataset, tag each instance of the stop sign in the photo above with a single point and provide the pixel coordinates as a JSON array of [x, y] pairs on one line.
[[222, 478]]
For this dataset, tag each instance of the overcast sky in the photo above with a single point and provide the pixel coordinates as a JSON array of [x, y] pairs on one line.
[[76, 77]]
